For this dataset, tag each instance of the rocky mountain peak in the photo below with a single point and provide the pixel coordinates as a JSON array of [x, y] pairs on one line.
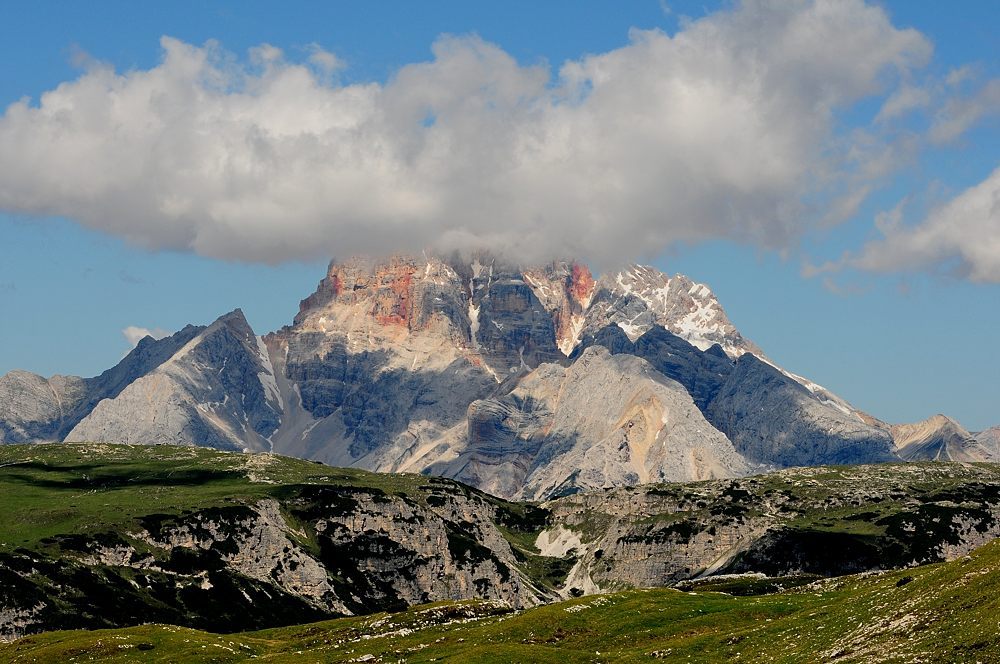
[[211, 386], [566, 290], [990, 441], [687, 308], [235, 320], [508, 315], [940, 438]]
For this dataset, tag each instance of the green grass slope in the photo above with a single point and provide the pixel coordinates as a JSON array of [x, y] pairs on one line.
[[947, 612], [55, 490]]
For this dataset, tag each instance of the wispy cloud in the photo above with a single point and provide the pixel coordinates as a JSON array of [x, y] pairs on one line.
[[960, 114]]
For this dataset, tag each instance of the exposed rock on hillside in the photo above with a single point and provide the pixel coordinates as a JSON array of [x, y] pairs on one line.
[[773, 419], [989, 440], [769, 417], [33, 408], [228, 541], [285, 542], [801, 521]]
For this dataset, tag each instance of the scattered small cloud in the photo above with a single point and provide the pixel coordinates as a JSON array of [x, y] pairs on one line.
[[844, 289], [959, 75], [324, 60], [134, 334], [266, 54]]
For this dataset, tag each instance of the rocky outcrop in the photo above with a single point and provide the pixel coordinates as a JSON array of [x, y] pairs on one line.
[[228, 542], [642, 298], [939, 438], [566, 290], [770, 418], [380, 362], [33, 408], [701, 373], [799, 521]]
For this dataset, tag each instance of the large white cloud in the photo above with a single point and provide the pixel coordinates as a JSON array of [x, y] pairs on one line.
[[725, 129], [961, 237]]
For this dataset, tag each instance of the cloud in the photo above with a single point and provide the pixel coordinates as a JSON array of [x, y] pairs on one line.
[[134, 334], [324, 60], [724, 130], [962, 238], [907, 98], [959, 75], [959, 114]]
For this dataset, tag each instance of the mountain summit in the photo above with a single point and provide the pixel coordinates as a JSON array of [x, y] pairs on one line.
[[528, 382]]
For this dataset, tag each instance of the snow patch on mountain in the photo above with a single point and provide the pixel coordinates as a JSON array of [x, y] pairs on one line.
[[267, 376]]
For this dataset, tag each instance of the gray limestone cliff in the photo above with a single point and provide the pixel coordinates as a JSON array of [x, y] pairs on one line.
[[802, 521]]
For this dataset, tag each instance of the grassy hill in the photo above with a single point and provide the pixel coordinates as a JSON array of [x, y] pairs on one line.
[[97, 536], [946, 612], [106, 536]]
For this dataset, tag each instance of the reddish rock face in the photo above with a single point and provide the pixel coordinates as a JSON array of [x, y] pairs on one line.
[[580, 284], [335, 286], [392, 301], [388, 286], [566, 290]]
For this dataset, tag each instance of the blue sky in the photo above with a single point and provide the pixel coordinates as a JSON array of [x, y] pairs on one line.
[[898, 329]]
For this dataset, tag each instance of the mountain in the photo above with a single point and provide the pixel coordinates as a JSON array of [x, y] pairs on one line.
[[104, 536], [771, 418], [989, 440], [479, 371], [33, 408], [217, 389], [528, 382], [940, 438]]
